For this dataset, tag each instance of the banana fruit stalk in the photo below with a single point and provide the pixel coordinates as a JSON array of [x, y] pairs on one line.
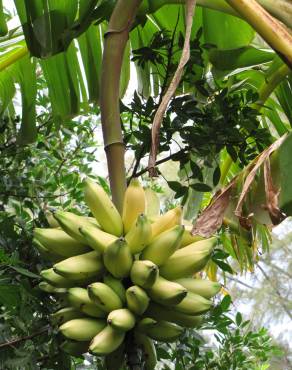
[[134, 204], [188, 238], [118, 278], [102, 208]]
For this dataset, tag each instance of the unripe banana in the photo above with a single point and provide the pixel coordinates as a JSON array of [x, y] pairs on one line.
[[118, 259], [107, 341], [51, 220], [48, 288], [45, 253], [74, 348], [148, 349], [84, 266], [57, 241], [65, 314], [159, 312], [102, 208], [163, 246], [167, 221], [137, 299], [139, 235], [166, 292], [79, 298], [152, 203], [115, 360], [188, 238], [121, 319], [71, 223], [188, 260], [116, 285], [193, 304], [134, 204], [55, 279], [203, 287], [104, 297], [162, 331], [83, 329], [144, 273], [96, 238]]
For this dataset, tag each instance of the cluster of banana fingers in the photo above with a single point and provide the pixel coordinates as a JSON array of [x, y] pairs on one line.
[[119, 276]]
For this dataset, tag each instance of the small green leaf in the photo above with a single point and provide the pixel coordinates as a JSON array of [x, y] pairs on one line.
[[216, 176], [225, 303], [201, 187], [224, 266], [25, 272], [238, 318]]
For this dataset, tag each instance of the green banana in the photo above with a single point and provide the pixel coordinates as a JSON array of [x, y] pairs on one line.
[[134, 204], [74, 348], [137, 299], [188, 238], [102, 208], [45, 253], [144, 273], [83, 329], [121, 319], [65, 314], [104, 297], [115, 360], [166, 221], [107, 341], [148, 348], [116, 285], [96, 238], [166, 292], [51, 220], [78, 298], [162, 331], [159, 312], [163, 246], [193, 304], [55, 279], [205, 288], [48, 288], [118, 259], [188, 260], [57, 241], [139, 235], [71, 223], [84, 266]]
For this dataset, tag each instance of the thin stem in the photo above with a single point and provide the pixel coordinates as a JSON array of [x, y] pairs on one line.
[[18, 340]]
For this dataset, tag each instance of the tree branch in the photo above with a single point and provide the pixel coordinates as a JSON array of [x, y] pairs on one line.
[[21, 339]]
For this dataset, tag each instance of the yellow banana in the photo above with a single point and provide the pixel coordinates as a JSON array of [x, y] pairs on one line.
[[74, 348], [137, 299], [78, 298], [152, 203], [45, 253], [121, 319], [104, 297], [96, 238], [107, 341], [167, 221], [115, 360], [203, 287], [134, 204], [159, 312], [48, 288], [55, 279], [188, 238], [83, 329], [162, 331], [163, 246], [193, 304], [84, 266], [65, 314], [139, 235], [57, 241], [116, 285], [118, 259], [102, 208], [71, 223], [144, 273], [188, 260], [166, 292], [148, 348]]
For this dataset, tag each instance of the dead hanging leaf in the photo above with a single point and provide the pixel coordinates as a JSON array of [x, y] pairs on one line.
[[211, 218], [272, 196], [260, 160], [190, 6]]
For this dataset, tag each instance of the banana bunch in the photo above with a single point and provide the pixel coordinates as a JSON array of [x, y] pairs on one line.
[[123, 276]]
